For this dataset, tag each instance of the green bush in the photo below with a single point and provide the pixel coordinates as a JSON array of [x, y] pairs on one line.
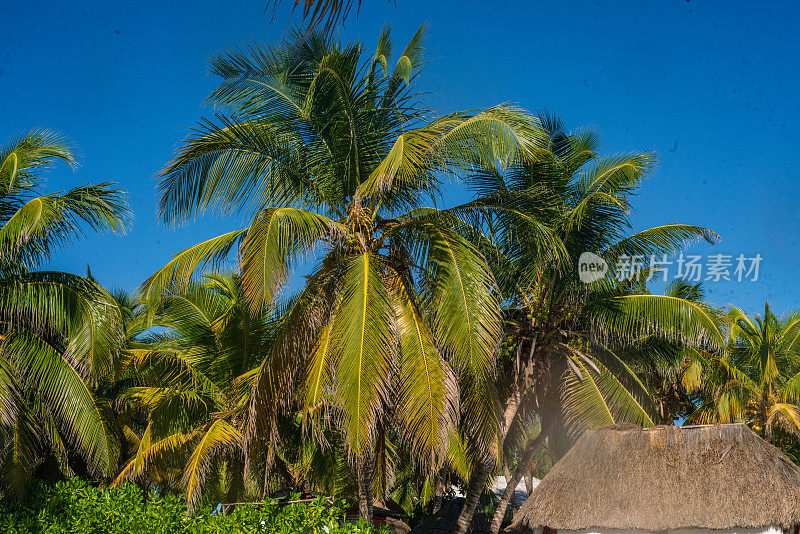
[[76, 507]]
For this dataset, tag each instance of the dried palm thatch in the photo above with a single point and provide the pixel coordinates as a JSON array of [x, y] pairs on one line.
[[444, 521], [626, 477]]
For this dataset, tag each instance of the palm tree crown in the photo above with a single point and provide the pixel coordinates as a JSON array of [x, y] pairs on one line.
[[562, 362], [754, 374], [331, 156], [60, 332]]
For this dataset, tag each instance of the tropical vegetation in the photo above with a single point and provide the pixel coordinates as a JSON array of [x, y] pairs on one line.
[[60, 332], [353, 339], [74, 506]]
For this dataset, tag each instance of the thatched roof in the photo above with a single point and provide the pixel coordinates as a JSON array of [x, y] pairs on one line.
[[444, 521], [625, 477]]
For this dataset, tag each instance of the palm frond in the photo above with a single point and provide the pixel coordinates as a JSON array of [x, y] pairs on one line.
[[219, 438], [363, 333], [271, 246], [671, 317], [20, 454], [62, 304], [428, 398], [594, 396], [82, 417], [183, 265], [659, 241], [26, 156], [50, 220], [328, 13]]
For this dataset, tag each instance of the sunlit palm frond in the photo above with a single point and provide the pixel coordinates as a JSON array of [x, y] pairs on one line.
[[180, 270], [296, 331], [63, 304], [786, 416], [463, 301], [659, 241], [451, 143], [219, 437], [22, 161], [365, 348], [319, 376], [605, 189], [44, 222], [272, 245], [234, 165], [671, 317], [595, 396], [458, 456], [428, 398], [81, 416]]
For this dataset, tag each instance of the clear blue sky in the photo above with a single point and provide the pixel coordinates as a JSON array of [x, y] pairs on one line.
[[711, 86]]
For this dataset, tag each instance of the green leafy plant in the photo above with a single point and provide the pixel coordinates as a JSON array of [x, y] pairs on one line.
[[74, 506]]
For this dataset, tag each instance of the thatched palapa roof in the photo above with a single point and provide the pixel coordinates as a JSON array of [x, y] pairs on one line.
[[626, 477]]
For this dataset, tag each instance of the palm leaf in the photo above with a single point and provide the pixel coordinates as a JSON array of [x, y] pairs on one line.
[[183, 265], [659, 241], [219, 437], [364, 349], [270, 247], [672, 317], [595, 396], [32, 152], [82, 417], [428, 398], [45, 221]]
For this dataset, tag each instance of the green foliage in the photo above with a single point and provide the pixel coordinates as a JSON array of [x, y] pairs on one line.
[[755, 376], [333, 157], [59, 333], [74, 506]]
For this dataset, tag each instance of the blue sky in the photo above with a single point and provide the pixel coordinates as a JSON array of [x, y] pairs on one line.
[[712, 87]]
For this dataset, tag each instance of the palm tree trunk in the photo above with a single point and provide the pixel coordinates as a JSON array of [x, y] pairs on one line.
[[236, 482], [438, 493], [379, 465], [477, 483], [364, 475], [521, 469], [267, 467], [513, 502]]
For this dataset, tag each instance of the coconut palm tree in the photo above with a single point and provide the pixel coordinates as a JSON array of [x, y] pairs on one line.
[[755, 378], [194, 373], [60, 332], [666, 366], [562, 360], [329, 152]]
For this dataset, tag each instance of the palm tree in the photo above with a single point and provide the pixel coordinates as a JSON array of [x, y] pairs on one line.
[[329, 154], [60, 332], [195, 371], [562, 361], [666, 366], [755, 377]]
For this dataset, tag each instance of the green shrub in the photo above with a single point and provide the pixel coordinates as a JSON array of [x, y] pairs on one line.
[[76, 507]]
